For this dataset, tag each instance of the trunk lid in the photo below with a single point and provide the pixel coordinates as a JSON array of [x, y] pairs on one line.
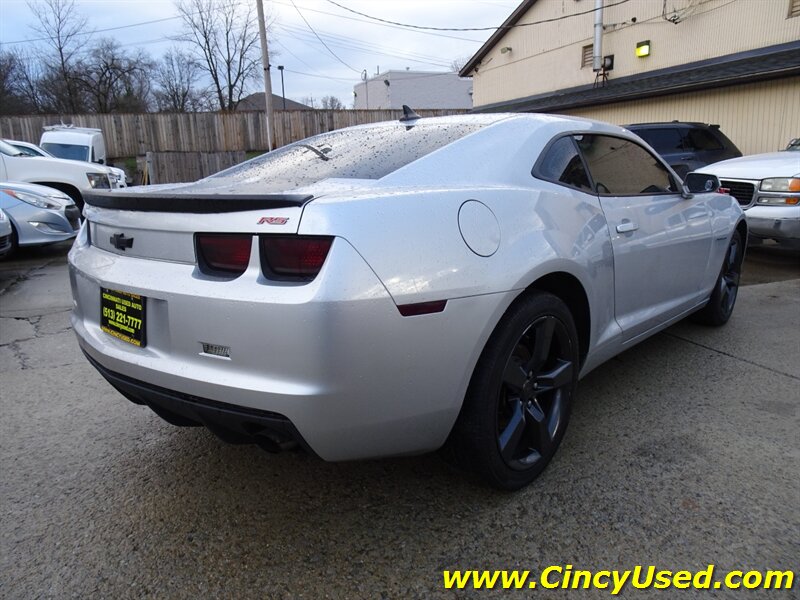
[[163, 226]]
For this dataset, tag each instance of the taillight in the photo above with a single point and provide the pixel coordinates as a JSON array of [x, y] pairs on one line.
[[293, 257], [223, 253]]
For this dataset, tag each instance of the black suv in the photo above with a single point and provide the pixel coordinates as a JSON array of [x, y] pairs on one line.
[[686, 146]]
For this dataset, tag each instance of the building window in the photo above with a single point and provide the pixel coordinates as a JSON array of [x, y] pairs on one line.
[[586, 56], [794, 8]]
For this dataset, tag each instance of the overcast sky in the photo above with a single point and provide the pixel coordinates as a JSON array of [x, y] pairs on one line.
[[310, 69]]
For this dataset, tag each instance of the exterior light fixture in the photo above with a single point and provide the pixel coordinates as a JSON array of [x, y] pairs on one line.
[[505, 49], [643, 49]]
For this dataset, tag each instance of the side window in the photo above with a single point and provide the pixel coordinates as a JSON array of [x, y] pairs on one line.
[[622, 168], [665, 141], [700, 139], [561, 163]]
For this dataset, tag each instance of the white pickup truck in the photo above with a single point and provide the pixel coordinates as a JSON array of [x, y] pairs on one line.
[[116, 175], [71, 177]]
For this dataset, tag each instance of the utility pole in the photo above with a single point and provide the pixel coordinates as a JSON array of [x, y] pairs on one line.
[[262, 30]]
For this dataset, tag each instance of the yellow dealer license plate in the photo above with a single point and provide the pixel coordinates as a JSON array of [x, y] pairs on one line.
[[122, 315]]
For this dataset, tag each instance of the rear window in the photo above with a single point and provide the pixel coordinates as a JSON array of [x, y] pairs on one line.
[[563, 164], [664, 140], [368, 153], [701, 139]]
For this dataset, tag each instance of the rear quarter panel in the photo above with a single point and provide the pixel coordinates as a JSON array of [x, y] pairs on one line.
[[413, 242]]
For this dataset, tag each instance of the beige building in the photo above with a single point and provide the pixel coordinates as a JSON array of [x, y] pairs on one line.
[[731, 62]]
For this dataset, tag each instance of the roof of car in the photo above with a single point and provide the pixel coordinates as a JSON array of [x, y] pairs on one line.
[[20, 142], [673, 123], [69, 135]]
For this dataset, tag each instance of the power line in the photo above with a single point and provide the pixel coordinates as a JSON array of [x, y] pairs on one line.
[[93, 31], [277, 41], [358, 47], [499, 27], [320, 39], [339, 16], [356, 42], [348, 79]]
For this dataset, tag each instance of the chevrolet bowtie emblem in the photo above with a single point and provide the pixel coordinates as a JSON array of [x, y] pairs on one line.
[[120, 242]]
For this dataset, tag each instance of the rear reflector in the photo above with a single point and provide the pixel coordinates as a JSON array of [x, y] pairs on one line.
[[223, 253], [293, 257], [421, 308]]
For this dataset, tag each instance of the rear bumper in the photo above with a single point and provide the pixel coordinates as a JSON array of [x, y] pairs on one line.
[[333, 357], [233, 424]]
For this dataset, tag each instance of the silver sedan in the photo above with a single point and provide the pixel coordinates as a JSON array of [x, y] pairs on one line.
[[390, 289], [39, 215]]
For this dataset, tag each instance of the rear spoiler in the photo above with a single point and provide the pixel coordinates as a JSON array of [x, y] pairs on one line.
[[193, 203]]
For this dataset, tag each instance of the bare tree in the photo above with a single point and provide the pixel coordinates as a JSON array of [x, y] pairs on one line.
[[65, 30], [11, 101], [176, 77], [25, 84], [457, 64], [224, 34], [331, 103], [115, 80]]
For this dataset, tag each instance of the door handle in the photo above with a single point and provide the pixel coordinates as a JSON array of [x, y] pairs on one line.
[[627, 227]]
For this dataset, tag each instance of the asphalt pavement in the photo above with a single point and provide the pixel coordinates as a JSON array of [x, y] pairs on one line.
[[681, 453]]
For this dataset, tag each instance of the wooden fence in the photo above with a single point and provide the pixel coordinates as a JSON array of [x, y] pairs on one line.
[[129, 135], [177, 167]]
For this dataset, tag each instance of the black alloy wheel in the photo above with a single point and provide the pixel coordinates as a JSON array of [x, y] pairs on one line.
[[518, 403], [726, 289], [531, 402]]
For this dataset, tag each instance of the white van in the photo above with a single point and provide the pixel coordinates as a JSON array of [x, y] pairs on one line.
[[80, 143]]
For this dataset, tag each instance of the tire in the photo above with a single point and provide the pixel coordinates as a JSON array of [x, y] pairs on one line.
[[723, 297], [14, 249], [518, 403]]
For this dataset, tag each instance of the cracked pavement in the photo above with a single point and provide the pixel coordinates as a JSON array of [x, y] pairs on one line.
[[682, 453]]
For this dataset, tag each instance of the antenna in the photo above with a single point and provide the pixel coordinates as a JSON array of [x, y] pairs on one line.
[[409, 114]]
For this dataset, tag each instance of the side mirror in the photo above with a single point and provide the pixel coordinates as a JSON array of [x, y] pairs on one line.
[[100, 161], [700, 183]]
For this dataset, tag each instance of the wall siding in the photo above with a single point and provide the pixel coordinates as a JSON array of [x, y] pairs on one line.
[[547, 57], [757, 117]]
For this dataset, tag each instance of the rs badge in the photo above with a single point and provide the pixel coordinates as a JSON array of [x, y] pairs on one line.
[[273, 220]]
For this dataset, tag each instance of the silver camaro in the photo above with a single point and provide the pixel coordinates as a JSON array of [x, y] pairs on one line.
[[394, 288]]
